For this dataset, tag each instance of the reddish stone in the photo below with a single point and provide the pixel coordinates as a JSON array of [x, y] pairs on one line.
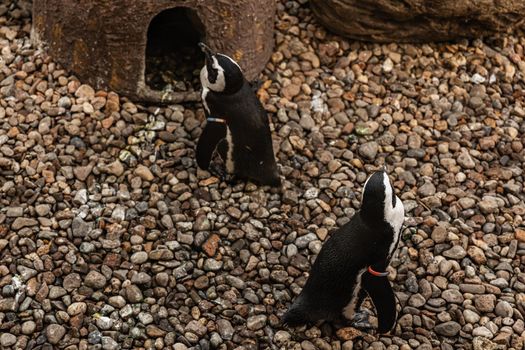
[[112, 260], [211, 245]]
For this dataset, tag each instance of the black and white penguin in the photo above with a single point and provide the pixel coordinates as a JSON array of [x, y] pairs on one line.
[[353, 261], [237, 125]]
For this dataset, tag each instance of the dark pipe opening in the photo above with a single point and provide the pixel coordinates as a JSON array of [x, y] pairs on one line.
[[173, 59]]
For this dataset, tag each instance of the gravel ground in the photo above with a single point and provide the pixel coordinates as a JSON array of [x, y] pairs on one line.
[[110, 237]]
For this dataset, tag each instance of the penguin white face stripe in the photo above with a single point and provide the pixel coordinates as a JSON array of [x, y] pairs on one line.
[[219, 84], [393, 215], [203, 95]]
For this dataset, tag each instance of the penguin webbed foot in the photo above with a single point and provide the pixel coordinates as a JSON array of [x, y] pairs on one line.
[[361, 320], [219, 171]]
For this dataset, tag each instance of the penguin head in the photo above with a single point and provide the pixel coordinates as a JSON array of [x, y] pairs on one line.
[[379, 198], [220, 73]]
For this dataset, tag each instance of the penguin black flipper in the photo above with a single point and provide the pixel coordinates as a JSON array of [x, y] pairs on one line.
[[382, 295], [212, 134]]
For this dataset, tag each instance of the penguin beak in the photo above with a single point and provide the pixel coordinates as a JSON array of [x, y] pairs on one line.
[[207, 51]]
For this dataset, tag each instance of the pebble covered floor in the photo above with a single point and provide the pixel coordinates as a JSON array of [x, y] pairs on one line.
[[111, 238]]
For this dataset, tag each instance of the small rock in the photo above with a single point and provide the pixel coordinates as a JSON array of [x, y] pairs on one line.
[[457, 252], [28, 327], [161, 254], [281, 338], [133, 294], [466, 161], [256, 322], [94, 337], [8, 304], [212, 265], [235, 282], [80, 228], [13, 212], [488, 205], [225, 329], [81, 197], [196, 328], [109, 344], [482, 332], [439, 234], [139, 258], [307, 122], [72, 281], [104, 323], [480, 343], [428, 189], [7, 339], [452, 296], [485, 302], [116, 168], [348, 333], [85, 91], [369, 150], [76, 308], [448, 329], [23, 222], [145, 318], [202, 282], [117, 301], [290, 91], [471, 316], [144, 173], [504, 309], [211, 245], [520, 235], [82, 172], [416, 300], [54, 333], [95, 279], [477, 255]]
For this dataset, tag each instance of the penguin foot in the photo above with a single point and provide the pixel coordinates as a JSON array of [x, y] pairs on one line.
[[219, 171], [361, 320], [230, 179]]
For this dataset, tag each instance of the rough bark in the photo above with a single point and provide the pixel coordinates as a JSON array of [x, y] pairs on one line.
[[104, 42], [418, 20]]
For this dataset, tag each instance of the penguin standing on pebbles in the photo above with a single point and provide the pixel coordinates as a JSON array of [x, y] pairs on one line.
[[353, 262], [237, 125]]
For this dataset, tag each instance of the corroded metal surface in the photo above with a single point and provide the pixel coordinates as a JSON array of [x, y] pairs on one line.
[[418, 20], [104, 42]]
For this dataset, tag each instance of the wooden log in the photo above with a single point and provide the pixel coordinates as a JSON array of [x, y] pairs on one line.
[[418, 20], [105, 42]]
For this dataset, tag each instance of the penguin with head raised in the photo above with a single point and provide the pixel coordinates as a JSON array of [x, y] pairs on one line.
[[353, 261], [237, 125]]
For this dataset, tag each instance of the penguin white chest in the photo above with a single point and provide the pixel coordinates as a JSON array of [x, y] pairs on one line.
[[395, 217], [230, 165], [349, 309], [203, 98]]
